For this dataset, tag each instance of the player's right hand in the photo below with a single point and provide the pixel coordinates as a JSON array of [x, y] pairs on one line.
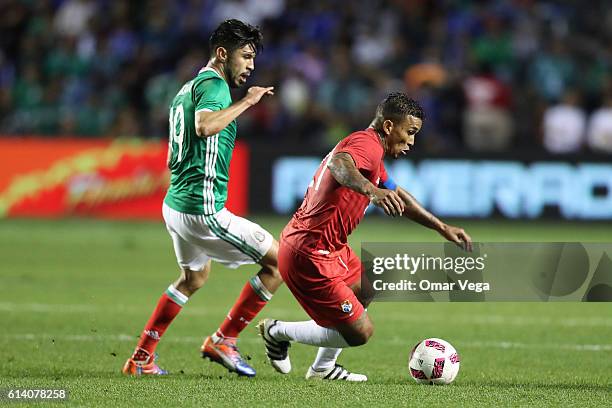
[[255, 93], [389, 201]]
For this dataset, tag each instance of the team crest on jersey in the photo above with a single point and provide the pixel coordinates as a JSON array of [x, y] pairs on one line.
[[346, 306]]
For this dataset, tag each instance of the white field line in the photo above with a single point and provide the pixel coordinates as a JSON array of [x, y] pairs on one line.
[[214, 310], [395, 340], [92, 337], [515, 345], [518, 345]]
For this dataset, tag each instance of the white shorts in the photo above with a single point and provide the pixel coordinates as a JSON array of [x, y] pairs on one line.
[[222, 237]]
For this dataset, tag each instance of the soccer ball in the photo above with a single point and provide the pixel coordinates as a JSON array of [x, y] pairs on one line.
[[434, 361]]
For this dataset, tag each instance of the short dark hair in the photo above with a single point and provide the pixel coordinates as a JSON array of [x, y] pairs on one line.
[[396, 106], [233, 34]]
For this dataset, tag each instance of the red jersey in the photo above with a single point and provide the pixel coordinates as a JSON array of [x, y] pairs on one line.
[[330, 211]]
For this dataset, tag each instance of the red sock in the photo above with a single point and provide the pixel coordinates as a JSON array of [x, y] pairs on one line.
[[249, 303], [164, 313]]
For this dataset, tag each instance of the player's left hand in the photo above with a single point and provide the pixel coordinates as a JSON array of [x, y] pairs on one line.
[[255, 93], [458, 236]]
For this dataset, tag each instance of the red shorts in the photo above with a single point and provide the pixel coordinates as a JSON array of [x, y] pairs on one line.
[[321, 284]]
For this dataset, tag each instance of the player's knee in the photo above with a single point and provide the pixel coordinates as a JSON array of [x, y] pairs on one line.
[[270, 259], [193, 280], [273, 272], [355, 341], [196, 283], [360, 337], [269, 264]]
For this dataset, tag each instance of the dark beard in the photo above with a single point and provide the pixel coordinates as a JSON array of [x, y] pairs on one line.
[[231, 81]]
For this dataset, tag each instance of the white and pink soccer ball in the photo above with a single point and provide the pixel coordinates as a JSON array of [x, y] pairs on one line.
[[434, 361]]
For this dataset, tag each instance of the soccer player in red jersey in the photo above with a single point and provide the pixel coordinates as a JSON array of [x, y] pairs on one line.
[[314, 259]]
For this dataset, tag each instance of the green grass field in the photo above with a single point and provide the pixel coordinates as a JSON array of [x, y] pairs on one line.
[[74, 295]]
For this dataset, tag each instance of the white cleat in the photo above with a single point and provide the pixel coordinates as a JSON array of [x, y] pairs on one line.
[[276, 350], [335, 373]]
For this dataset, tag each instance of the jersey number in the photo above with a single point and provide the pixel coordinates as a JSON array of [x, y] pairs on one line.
[[325, 162], [177, 129]]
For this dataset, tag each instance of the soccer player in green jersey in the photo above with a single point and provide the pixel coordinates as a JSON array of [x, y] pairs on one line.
[[202, 137]]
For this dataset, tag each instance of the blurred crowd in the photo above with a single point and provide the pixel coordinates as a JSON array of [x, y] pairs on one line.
[[491, 75]]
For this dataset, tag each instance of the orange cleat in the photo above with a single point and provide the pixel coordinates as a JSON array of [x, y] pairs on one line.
[[227, 354], [143, 367]]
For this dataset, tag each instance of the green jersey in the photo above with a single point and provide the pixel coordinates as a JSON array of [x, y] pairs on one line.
[[199, 166]]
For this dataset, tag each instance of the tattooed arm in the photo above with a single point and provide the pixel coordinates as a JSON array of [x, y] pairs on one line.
[[343, 169]]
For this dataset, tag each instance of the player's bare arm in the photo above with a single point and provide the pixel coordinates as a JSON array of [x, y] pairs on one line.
[[343, 169], [210, 123], [416, 212]]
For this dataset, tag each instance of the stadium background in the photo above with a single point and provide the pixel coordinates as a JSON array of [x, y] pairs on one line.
[[516, 147]]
